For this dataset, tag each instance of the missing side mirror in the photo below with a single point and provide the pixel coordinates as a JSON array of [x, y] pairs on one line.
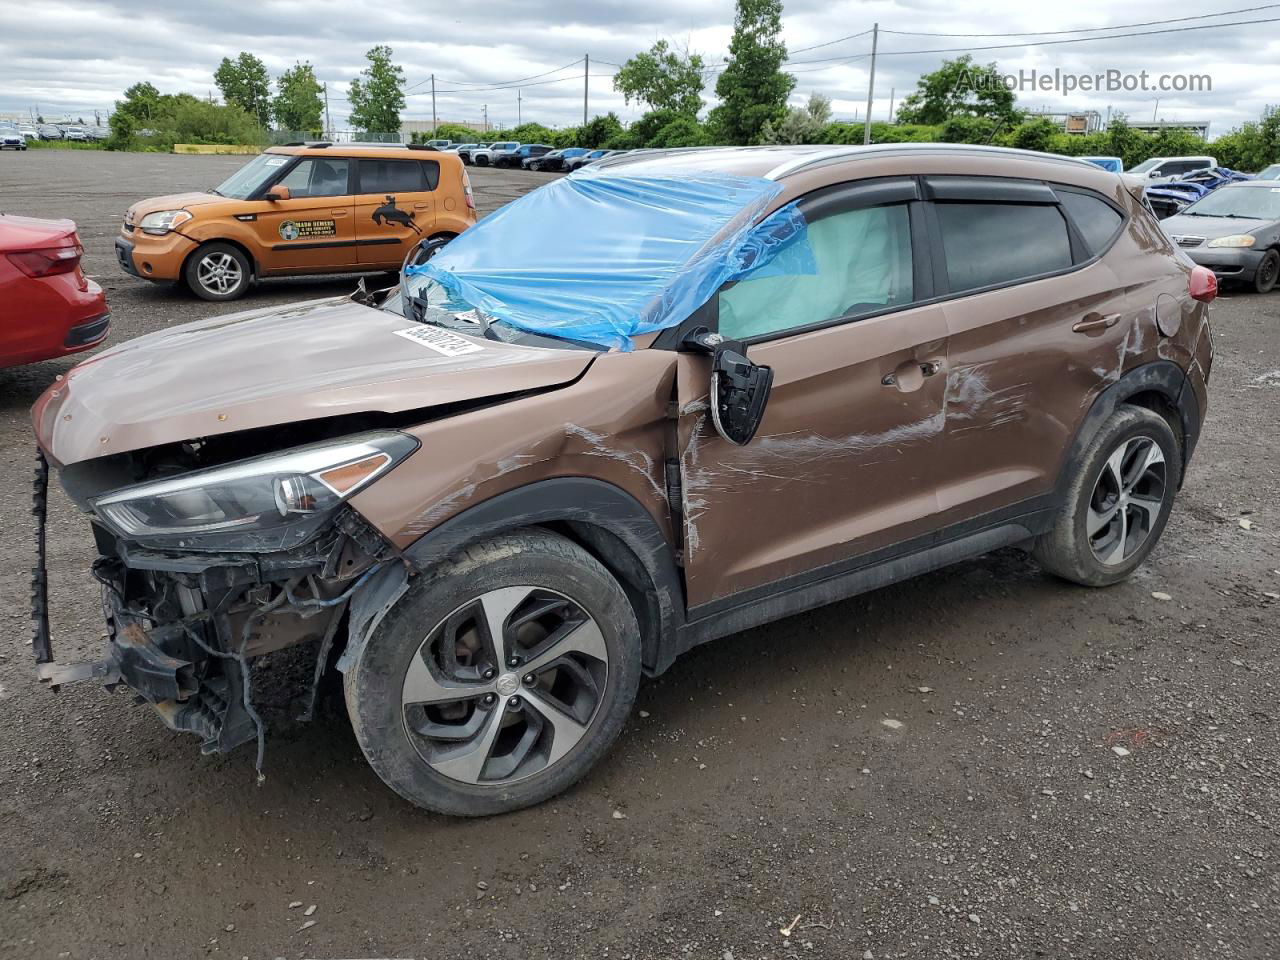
[[739, 388]]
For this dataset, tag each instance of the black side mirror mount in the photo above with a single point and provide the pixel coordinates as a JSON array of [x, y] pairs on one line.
[[739, 389]]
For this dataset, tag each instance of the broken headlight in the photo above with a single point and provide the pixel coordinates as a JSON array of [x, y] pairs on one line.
[[273, 502]]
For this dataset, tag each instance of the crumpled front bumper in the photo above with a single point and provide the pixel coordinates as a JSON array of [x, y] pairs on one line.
[[182, 628]]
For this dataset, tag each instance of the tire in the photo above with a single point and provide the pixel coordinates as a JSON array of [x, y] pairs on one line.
[[1264, 278], [203, 280], [455, 764], [1126, 440], [482, 161]]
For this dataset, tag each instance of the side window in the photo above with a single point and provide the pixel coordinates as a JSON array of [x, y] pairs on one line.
[[317, 177], [1096, 220], [431, 171], [391, 176], [992, 243], [863, 258]]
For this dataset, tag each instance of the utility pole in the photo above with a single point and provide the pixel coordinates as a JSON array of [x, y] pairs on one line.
[[486, 118], [892, 92], [434, 123], [519, 116], [871, 84], [1155, 110], [328, 125], [586, 72]]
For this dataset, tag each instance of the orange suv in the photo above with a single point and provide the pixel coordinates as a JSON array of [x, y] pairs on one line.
[[300, 209]]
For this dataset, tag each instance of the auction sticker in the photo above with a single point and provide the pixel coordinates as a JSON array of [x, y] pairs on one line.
[[299, 229], [441, 341]]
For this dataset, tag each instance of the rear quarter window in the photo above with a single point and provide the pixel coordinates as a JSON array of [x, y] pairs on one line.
[[988, 244], [1097, 221]]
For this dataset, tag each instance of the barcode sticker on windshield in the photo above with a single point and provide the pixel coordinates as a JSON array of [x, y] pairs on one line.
[[441, 341]]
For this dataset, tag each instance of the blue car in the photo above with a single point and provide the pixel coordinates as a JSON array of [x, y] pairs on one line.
[[1110, 164]]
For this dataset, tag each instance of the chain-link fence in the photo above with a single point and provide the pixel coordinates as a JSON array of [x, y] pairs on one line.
[[277, 137]]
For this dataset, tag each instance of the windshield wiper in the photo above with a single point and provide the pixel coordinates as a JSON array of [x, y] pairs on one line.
[[214, 191]]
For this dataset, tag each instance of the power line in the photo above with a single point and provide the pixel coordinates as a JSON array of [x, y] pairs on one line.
[[852, 36], [496, 84], [1051, 33], [519, 86]]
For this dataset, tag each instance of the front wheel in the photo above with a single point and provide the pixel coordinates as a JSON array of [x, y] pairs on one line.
[[498, 679], [1265, 277], [218, 271], [1118, 501]]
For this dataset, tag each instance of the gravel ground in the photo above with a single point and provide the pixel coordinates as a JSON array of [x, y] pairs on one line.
[[983, 762]]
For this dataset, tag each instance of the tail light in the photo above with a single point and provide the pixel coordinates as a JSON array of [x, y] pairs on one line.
[[48, 261], [466, 190], [1202, 285]]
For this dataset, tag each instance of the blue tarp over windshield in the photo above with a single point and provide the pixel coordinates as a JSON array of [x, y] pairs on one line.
[[602, 256]]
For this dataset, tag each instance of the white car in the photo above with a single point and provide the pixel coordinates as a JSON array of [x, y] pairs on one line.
[[484, 156], [28, 131], [1162, 169], [75, 133]]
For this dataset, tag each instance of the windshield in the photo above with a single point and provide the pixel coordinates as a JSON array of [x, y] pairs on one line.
[[1259, 203], [636, 253], [1145, 165], [1271, 173], [252, 177]]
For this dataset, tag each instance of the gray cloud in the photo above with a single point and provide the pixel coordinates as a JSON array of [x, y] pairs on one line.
[[79, 55]]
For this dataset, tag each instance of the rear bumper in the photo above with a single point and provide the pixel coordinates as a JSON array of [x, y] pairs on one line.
[[52, 317], [1231, 264]]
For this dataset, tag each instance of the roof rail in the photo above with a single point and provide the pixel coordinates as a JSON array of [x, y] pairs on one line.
[[315, 144], [422, 146]]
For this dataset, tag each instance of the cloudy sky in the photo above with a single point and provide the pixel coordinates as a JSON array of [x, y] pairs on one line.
[[76, 56]]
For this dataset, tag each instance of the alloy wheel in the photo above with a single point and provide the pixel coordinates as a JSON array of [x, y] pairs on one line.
[[219, 273], [505, 685], [1126, 500]]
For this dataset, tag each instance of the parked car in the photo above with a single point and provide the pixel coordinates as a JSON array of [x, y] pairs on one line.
[[51, 308], [502, 492], [11, 138], [28, 132], [1168, 199], [517, 157], [465, 150], [1270, 173], [582, 159], [1110, 164], [553, 159], [484, 156], [49, 131], [321, 208], [1170, 168], [440, 144], [79, 134], [1234, 231], [99, 133]]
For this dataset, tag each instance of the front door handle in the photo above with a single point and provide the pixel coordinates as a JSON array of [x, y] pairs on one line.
[[904, 376], [337, 213], [422, 206], [1093, 322]]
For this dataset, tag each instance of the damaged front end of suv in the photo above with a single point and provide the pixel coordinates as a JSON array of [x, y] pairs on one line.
[[210, 562]]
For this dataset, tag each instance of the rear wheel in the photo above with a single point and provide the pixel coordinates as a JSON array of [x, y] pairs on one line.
[[218, 271], [1118, 501], [1264, 278], [499, 679]]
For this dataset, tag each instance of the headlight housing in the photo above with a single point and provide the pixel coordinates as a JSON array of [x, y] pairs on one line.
[[266, 503], [162, 221], [1235, 240]]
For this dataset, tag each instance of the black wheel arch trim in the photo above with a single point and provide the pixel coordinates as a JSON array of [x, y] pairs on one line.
[[1163, 377], [608, 521]]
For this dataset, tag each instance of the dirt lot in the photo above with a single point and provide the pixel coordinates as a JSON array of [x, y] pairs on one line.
[[758, 782]]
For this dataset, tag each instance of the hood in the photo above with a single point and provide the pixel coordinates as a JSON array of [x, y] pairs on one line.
[[173, 201], [318, 359], [1209, 227]]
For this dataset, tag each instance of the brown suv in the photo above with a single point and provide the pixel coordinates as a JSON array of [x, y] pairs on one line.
[[893, 358]]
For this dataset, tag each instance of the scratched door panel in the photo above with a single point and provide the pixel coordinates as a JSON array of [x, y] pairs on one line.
[[842, 463]]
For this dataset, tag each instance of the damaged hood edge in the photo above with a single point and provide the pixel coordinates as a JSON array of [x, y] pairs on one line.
[[263, 368]]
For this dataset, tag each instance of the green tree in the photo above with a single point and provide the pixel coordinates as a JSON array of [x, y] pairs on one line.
[[245, 83], [752, 89], [377, 94], [298, 104], [1038, 133], [598, 131], [805, 124], [663, 79], [139, 103], [959, 88]]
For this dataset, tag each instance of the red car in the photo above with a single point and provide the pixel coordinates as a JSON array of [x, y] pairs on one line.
[[50, 307]]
